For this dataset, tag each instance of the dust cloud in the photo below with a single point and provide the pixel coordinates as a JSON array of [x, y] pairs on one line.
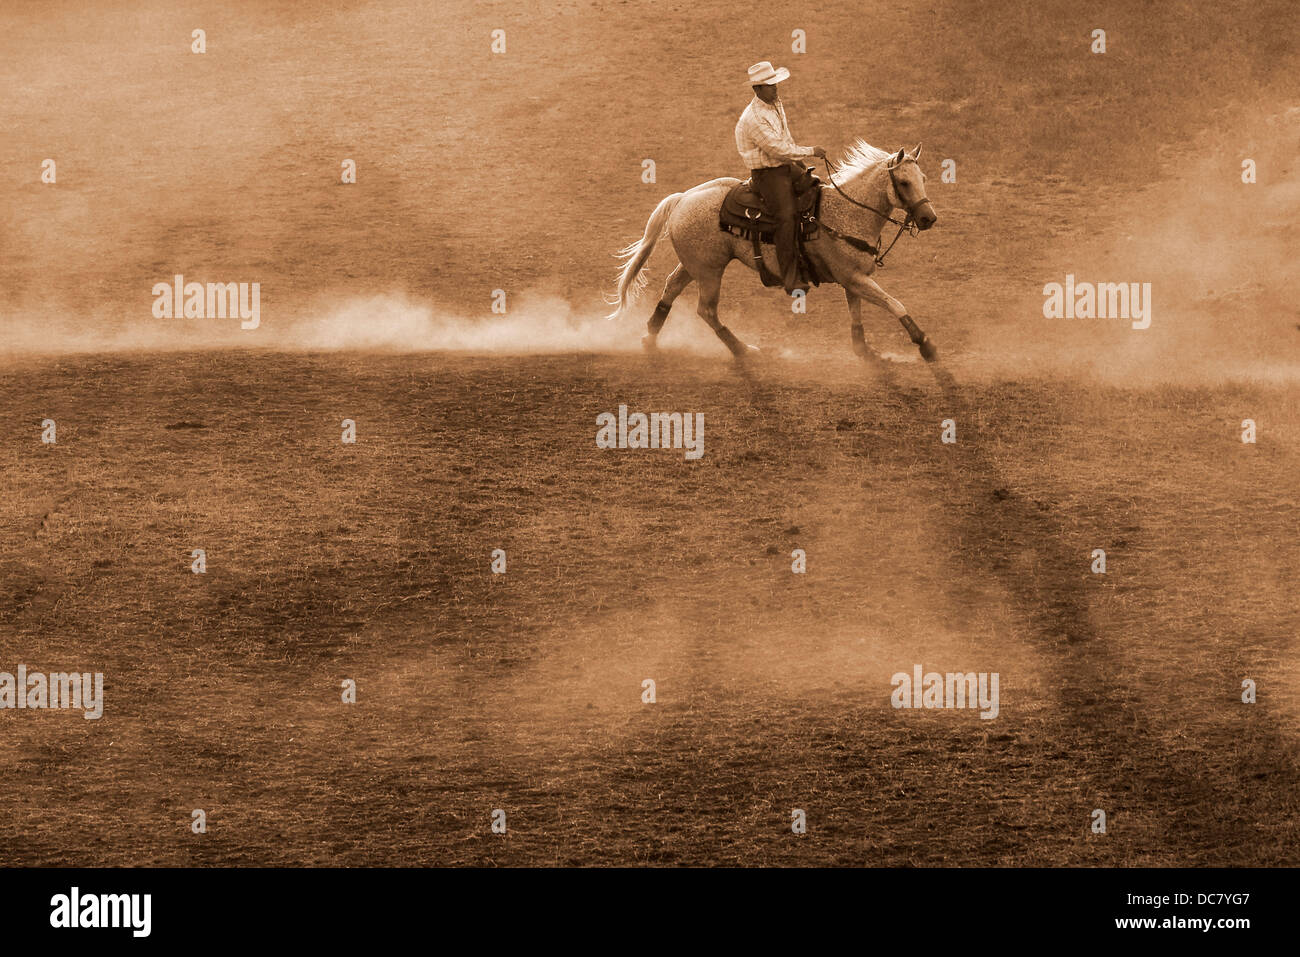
[[539, 325], [1219, 255]]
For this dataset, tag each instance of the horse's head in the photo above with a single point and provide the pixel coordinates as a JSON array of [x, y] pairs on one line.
[[907, 187]]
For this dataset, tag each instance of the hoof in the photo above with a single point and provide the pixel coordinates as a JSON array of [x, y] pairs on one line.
[[867, 354], [649, 343], [929, 352], [738, 348]]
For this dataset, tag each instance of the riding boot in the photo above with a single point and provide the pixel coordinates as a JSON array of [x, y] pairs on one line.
[[788, 257]]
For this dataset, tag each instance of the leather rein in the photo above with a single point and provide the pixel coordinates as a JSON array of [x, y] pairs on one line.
[[908, 222]]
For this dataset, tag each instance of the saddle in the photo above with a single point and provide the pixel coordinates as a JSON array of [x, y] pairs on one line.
[[743, 214]]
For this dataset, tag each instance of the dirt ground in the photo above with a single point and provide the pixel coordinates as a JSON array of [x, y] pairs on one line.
[[523, 691]]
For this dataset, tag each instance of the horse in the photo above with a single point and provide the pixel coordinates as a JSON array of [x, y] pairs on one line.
[[845, 247]]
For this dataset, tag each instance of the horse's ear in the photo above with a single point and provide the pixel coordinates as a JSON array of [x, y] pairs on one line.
[[899, 158], [916, 153]]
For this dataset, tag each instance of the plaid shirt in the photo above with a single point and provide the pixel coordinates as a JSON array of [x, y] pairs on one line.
[[763, 136]]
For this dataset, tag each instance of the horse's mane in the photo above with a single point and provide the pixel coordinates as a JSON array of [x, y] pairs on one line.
[[860, 157]]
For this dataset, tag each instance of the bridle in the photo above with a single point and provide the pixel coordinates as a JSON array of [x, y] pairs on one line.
[[908, 223]]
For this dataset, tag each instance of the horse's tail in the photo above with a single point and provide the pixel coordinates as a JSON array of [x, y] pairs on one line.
[[631, 279]]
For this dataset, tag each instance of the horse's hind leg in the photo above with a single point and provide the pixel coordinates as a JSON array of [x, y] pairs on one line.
[[678, 280], [710, 291]]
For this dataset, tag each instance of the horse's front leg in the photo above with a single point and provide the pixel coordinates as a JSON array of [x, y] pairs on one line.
[[867, 288], [856, 334]]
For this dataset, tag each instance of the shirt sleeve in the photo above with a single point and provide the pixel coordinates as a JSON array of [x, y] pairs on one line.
[[777, 143]]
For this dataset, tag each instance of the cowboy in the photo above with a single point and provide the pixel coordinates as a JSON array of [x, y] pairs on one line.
[[767, 148]]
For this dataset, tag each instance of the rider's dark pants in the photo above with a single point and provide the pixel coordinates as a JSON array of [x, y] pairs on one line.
[[776, 187]]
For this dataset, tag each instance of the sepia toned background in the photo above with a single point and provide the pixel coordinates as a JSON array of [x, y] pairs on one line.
[[522, 691]]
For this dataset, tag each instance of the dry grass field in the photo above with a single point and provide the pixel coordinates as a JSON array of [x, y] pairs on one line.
[[371, 561]]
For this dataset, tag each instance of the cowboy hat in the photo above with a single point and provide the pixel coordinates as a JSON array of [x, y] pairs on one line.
[[762, 73]]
